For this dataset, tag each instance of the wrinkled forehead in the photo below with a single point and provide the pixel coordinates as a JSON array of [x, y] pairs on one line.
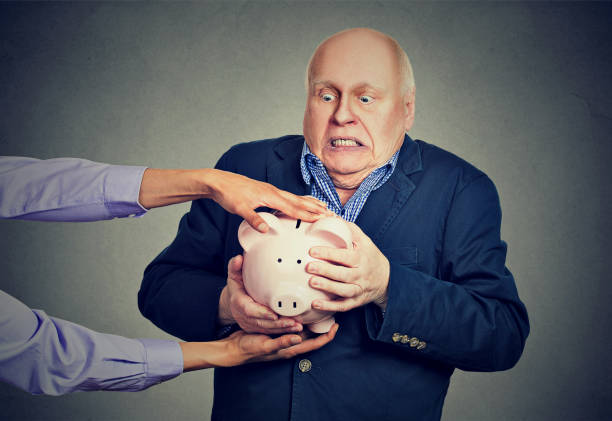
[[356, 59]]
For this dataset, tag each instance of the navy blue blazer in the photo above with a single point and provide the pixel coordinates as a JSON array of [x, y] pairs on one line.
[[452, 302]]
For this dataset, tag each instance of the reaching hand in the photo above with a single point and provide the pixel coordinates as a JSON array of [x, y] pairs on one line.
[[359, 276], [234, 192], [241, 195], [241, 348], [235, 305], [256, 347]]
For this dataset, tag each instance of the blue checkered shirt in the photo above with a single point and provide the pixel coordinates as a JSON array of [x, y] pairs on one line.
[[324, 190]]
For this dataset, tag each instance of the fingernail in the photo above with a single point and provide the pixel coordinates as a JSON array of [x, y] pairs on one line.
[[314, 252], [312, 268], [314, 283], [271, 316], [296, 328], [287, 323], [262, 227], [316, 304], [296, 340]]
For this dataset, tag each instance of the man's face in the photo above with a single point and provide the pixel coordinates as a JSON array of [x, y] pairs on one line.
[[356, 114]]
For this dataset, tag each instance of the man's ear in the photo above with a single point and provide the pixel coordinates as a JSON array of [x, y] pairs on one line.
[[333, 229], [409, 104], [248, 236]]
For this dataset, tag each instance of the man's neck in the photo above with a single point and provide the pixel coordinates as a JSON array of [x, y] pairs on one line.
[[347, 185], [345, 194]]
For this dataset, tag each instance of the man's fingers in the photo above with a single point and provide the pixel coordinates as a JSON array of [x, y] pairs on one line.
[[334, 272], [255, 328], [343, 257], [234, 267], [335, 288], [274, 326], [252, 309]]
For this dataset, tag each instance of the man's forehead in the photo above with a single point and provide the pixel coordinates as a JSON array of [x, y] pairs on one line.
[[353, 73], [352, 50], [358, 58]]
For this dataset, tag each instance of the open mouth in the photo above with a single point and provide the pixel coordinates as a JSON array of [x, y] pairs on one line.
[[345, 142]]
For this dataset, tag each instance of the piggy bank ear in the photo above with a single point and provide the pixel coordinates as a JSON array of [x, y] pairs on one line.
[[333, 229], [247, 235]]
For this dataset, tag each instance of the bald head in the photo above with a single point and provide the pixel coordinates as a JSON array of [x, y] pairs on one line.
[[361, 41]]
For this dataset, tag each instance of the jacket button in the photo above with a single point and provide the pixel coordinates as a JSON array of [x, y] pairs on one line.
[[396, 337], [305, 365], [421, 345], [414, 342], [405, 339]]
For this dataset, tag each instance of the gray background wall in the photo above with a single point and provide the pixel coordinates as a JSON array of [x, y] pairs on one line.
[[522, 90]]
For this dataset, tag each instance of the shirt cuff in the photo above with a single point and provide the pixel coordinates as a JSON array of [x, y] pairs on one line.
[[164, 360], [121, 191]]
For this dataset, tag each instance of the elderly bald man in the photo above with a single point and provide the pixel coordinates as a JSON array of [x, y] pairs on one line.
[[423, 291]]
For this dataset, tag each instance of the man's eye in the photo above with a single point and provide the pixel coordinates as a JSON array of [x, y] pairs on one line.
[[327, 97], [366, 99]]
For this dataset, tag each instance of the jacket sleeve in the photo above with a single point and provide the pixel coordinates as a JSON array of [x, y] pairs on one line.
[[181, 286], [470, 315]]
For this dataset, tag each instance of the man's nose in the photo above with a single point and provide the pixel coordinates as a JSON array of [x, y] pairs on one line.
[[344, 113]]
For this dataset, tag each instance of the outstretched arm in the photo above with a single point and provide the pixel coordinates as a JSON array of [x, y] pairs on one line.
[[234, 192], [73, 189], [47, 355], [241, 348]]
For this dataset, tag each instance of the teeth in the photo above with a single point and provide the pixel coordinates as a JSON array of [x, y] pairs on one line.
[[344, 142]]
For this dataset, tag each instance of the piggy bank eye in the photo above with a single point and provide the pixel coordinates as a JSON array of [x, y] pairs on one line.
[[279, 260], [299, 261]]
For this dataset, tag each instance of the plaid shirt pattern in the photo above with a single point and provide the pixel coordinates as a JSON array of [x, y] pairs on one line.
[[324, 190]]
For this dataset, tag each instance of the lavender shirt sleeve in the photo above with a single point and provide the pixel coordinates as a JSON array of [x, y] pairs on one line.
[[46, 355], [68, 189]]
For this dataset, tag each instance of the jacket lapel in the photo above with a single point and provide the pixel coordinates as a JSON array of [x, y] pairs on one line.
[[384, 204], [283, 169]]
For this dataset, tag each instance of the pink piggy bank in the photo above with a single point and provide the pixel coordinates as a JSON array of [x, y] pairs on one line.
[[274, 266]]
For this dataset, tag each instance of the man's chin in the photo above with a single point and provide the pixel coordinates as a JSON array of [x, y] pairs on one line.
[[345, 164], [347, 177]]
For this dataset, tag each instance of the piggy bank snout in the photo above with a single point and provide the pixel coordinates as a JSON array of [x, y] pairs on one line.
[[288, 304]]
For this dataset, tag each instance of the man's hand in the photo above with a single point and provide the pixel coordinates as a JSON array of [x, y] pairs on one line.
[[241, 195], [359, 276], [235, 305], [241, 348]]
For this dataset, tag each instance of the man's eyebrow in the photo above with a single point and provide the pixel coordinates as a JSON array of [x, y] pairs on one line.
[[366, 85], [358, 86], [322, 82]]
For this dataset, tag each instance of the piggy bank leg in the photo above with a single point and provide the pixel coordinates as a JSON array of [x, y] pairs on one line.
[[321, 327]]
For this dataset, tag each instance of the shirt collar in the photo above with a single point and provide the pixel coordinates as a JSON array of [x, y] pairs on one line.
[[308, 159]]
